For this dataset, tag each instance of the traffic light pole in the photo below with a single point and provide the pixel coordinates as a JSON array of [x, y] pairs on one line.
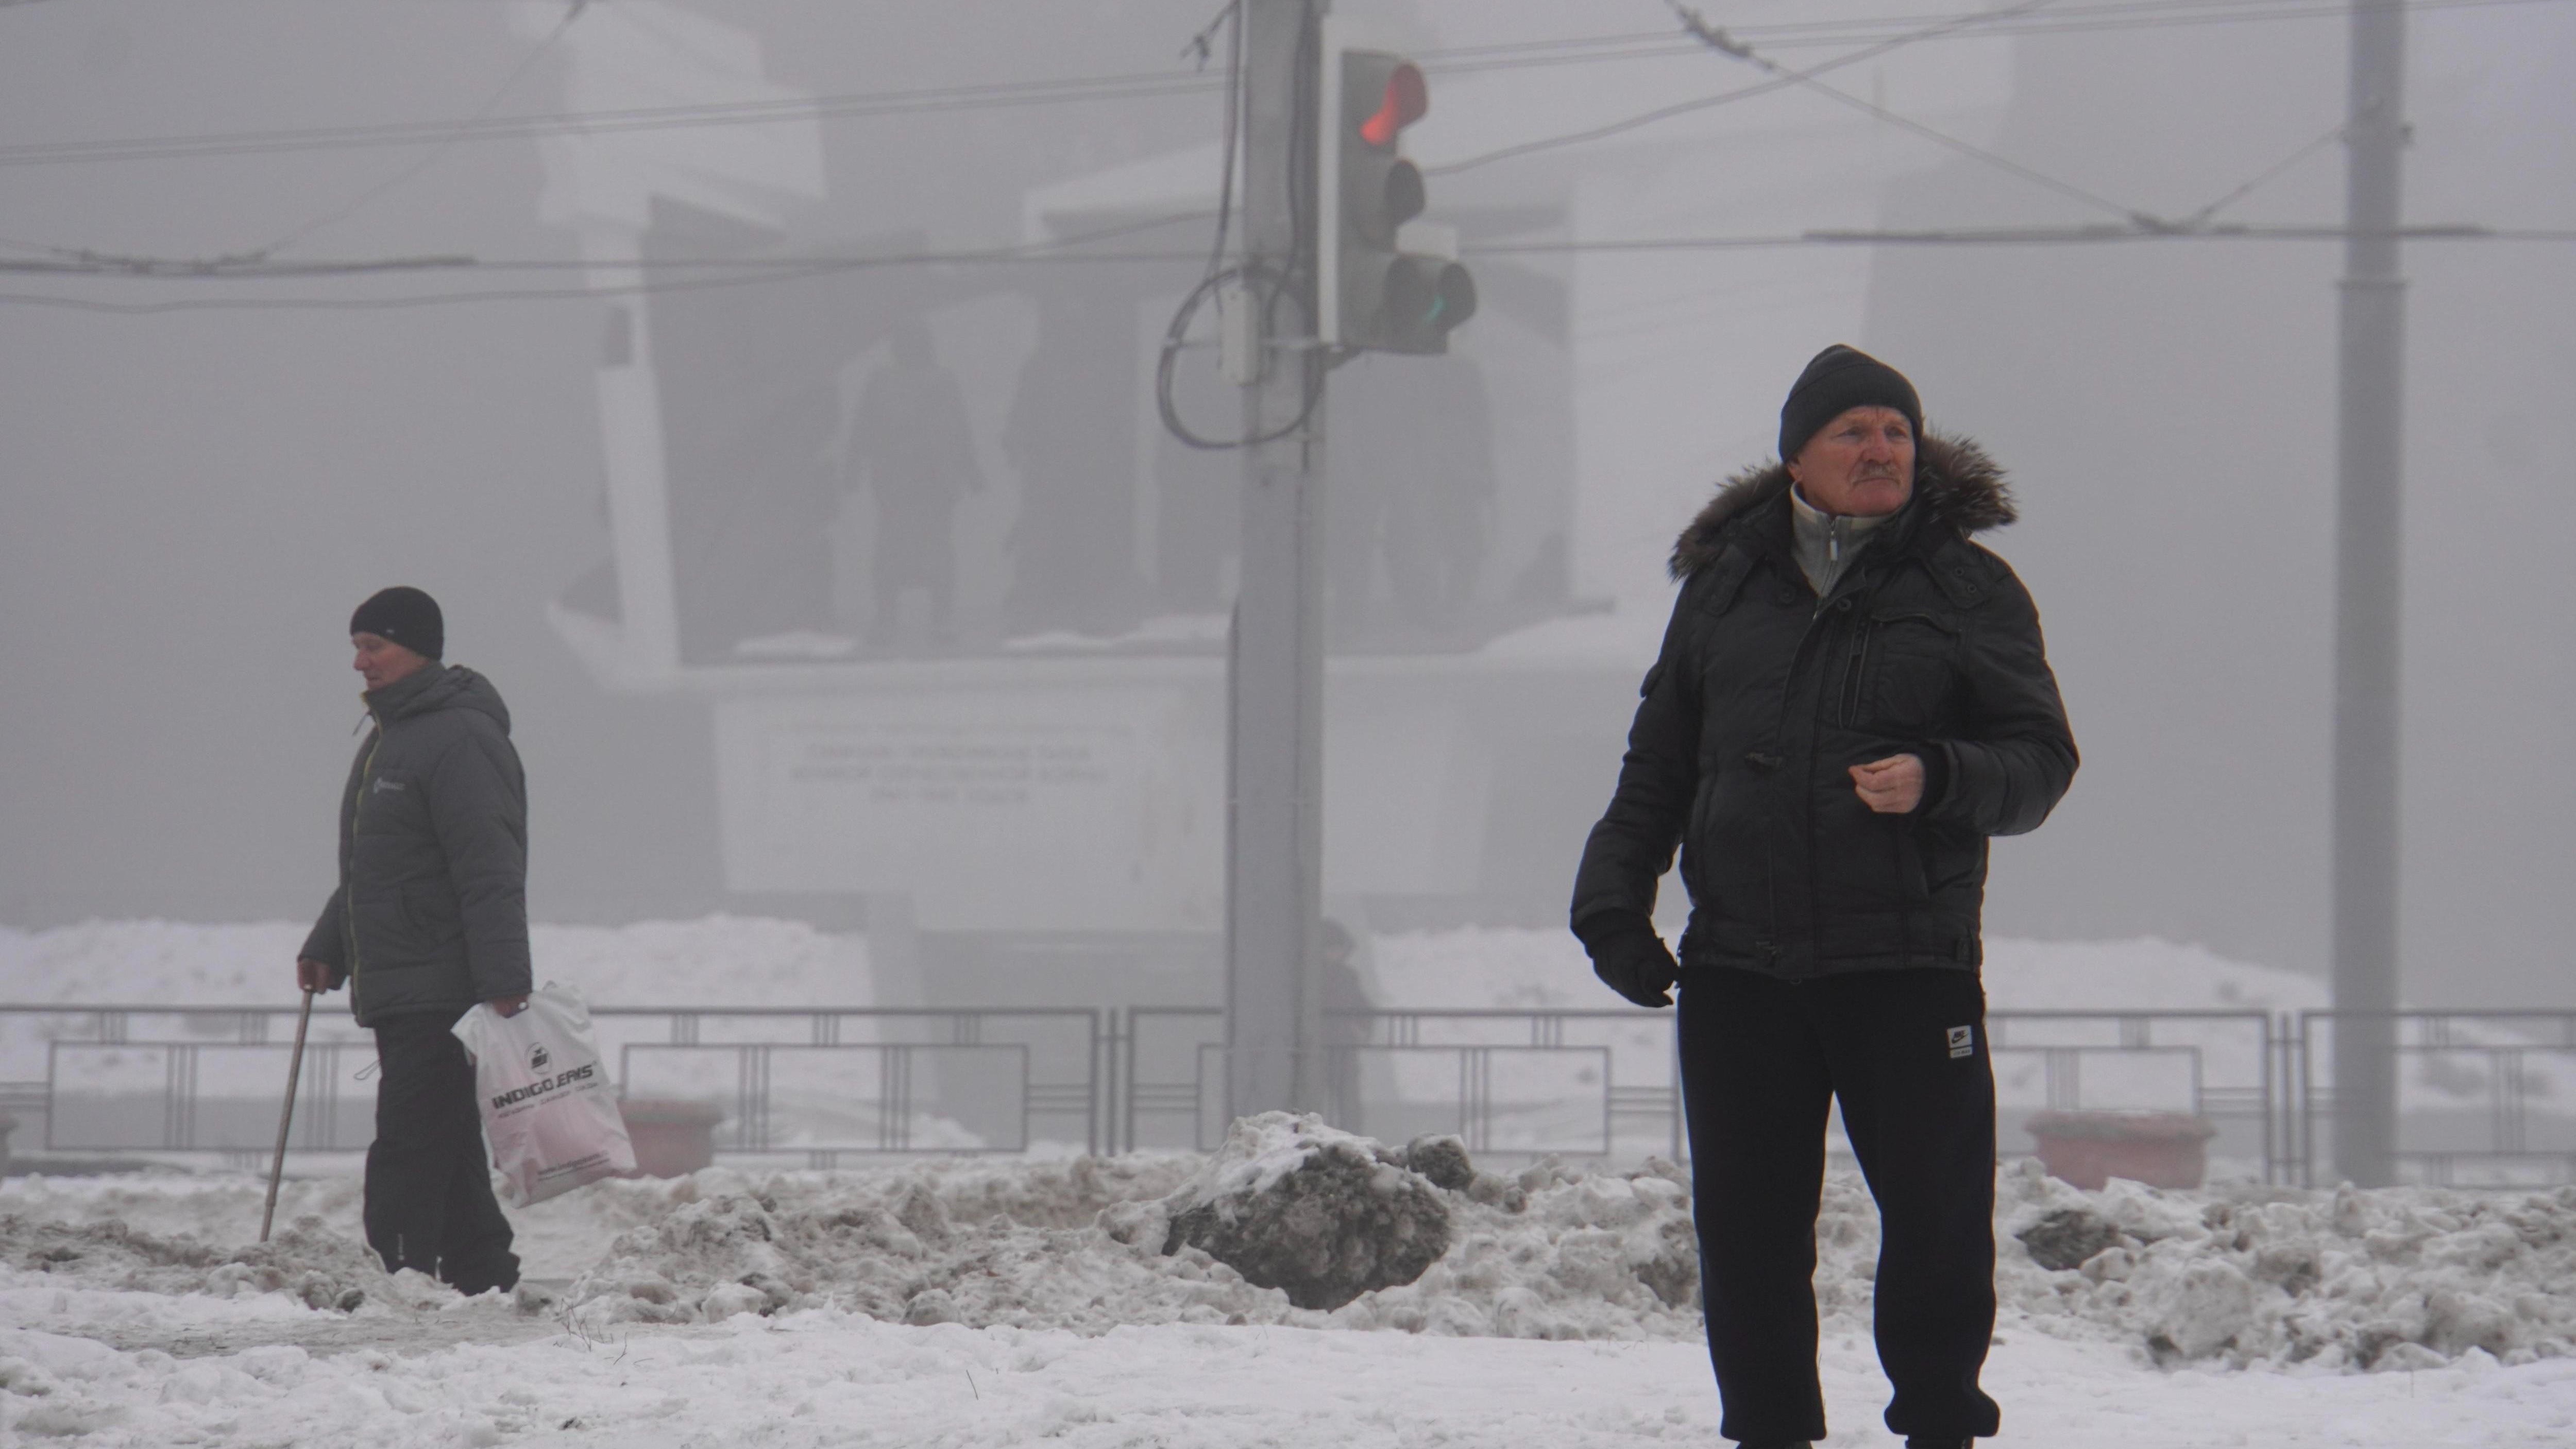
[[2367, 621], [1275, 711]]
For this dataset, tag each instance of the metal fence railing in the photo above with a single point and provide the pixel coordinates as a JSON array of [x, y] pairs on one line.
[[2219, 1065], [2484, 1098], [1509, 1082], [816, 1083]]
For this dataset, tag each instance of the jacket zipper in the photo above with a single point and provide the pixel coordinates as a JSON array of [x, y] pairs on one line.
[[366, 772], [1857, 672]]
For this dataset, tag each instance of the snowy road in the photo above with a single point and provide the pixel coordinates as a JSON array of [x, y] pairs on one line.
[[825, 1378]]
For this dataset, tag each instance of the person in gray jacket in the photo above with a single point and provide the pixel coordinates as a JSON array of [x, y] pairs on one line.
[[430, 918]]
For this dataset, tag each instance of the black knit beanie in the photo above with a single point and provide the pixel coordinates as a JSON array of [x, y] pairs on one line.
[[406, 616], [1837, 380]]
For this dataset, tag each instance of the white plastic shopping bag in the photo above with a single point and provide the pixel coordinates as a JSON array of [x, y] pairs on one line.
[[548, 1106]]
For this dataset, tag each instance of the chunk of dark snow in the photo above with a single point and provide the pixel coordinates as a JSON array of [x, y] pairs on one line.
[[2066, 1238], [1442, 1159], [1293, 1204]]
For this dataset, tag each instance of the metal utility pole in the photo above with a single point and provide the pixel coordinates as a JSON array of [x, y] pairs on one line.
[[1275, 715], [2370, 401]]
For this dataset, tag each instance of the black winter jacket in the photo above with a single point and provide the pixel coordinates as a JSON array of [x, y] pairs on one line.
[[1764, 696], [432, 909]]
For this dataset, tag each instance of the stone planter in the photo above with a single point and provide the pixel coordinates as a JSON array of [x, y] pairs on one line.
[[673, 1137], [2087, 1149]]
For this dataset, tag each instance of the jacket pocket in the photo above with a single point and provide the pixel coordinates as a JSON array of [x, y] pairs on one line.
[[1907, 670]]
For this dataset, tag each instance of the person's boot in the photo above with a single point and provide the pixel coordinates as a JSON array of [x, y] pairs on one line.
[[480, 1274]]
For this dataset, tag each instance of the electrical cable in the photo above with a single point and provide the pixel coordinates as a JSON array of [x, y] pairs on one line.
[[1263, 284], [437, 153], [2267, 175], [798, 269], [234, 268], [1741, 93], [594, 123], [1717, 39], [1231, 140]]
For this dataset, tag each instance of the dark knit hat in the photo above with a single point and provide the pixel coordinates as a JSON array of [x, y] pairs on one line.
[[1837, 380], [406, 616]]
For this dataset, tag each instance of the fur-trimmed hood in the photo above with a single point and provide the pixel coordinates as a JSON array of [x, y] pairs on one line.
[[1955, 482]]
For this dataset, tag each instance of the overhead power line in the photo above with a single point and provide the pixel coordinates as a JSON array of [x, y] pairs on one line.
[[1741, 93], [773, 270], [1717, 39], [352, 207], [596, 123], [91, 264]]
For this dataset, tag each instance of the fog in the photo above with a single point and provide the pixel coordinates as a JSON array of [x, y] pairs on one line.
[[194, 496]]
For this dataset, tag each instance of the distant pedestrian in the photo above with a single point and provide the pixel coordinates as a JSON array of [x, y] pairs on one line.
[[1851, 698], [430, 918], [914, 447]]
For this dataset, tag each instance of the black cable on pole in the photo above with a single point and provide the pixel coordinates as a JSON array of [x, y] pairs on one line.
[[1264, 285]]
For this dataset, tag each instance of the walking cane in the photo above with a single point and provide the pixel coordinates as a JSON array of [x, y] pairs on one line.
[[294, 1069]]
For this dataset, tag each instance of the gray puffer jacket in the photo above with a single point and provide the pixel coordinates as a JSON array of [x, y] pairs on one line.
[[432, 909]]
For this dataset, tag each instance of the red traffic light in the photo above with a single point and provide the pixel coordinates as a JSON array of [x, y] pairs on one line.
[[1406, 101]]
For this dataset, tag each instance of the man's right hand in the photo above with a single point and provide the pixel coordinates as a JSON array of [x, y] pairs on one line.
[[312, 975], [1636, 964]]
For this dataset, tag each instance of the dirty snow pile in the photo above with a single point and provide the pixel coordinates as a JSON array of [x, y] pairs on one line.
[[2398, 1278], [316, 1267], [1550, 1252], [2241, 1277], [2349, 1280]]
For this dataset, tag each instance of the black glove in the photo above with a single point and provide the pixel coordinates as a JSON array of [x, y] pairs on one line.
[[1630, 958]]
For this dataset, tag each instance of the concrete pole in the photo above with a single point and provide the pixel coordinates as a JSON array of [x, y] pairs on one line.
[[1274, 825], [2371, 403]]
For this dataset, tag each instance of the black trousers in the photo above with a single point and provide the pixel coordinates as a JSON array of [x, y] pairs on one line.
[[429, 1202], [1905, 1053]]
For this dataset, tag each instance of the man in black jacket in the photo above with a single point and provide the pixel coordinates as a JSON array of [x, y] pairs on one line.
[[1851, 698], [430, 917]]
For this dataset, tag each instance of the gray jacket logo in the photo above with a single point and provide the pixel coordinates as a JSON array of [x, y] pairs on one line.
[[383, 785]]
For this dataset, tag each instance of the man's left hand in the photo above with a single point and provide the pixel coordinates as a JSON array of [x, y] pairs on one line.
[[1893, 786], [508, 1005]]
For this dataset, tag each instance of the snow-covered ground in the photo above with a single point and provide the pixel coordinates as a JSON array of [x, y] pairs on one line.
[[1003, 1302]]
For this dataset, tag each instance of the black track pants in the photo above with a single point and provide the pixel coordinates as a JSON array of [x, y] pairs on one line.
[[1762, 1059], [429, 1198]]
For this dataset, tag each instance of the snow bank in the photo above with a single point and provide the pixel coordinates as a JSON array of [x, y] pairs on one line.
[[2401, 1277], [2252, 1278], [2393, 1278], [1078, 1246], [311, 1264]]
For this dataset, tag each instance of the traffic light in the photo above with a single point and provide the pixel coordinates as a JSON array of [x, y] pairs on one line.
[[1371, 293]]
